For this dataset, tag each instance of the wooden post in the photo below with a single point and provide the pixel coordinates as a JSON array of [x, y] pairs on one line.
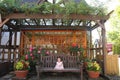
[[90, 56], [104, 45], [104, 49], [21, 44], [10, 43], [0, 19], [0, 35], [15, 39], [3, 54]]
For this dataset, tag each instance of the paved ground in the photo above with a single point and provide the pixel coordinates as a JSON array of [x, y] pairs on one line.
[[114, 77], [50, 76]]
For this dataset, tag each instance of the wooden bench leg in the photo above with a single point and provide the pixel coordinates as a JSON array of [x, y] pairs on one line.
[[81, 74], [38, 75]]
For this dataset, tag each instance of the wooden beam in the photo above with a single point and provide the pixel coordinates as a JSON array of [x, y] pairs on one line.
[[0, 35], [0, 19], [2, 23], [100, 24], [15, 44], [34, 27], [26, 21], [55, 16]]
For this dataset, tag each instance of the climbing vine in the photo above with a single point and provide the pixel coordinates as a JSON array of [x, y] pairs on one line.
[[70, 7]]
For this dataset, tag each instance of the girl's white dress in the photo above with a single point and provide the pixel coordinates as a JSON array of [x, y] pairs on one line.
[[59, 65]]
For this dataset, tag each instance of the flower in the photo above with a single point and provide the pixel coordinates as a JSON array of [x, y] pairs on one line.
[[93, 66], [33, 53], [75, 48], [43, 52], [21, 65]]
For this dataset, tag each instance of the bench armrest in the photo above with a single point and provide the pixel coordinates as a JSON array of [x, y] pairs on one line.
[[80, 64], [39, 63]]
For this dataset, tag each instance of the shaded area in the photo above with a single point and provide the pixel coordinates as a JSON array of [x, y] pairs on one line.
[[50, 76]]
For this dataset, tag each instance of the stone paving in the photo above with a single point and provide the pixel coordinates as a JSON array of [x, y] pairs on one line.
[[50, 76]]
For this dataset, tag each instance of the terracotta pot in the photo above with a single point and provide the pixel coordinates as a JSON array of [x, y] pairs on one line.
[[21, 74], [93, 74]]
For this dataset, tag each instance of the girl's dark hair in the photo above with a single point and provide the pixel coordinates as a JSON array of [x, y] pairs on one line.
[[60, 58]]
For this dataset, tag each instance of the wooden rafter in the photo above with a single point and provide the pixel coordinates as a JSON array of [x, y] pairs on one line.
[[35, 21], [26, 21], [55, 16], [100, 24], [44, 21], [79, 22], [11, 25]]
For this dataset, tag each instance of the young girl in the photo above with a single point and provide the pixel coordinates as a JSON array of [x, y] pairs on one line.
[[59, 64]]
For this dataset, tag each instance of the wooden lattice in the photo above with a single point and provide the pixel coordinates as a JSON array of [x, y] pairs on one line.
[[55, 41]]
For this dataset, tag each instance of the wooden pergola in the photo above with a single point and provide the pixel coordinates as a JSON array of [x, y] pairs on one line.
[[15, 23]]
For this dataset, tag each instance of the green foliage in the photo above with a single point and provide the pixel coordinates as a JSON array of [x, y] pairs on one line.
[[11, 6], [93, 66], [74, 49], [21, 65], [116, 48], [114, 35]]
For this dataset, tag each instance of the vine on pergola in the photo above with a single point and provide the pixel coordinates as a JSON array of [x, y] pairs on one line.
[[61, 7]]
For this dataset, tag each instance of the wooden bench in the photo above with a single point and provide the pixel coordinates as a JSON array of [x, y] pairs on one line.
[[71, 64]]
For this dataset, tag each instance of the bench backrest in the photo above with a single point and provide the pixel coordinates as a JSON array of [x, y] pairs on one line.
[[68, 61]]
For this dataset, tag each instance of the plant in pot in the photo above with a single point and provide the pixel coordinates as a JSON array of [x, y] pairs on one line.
[[86, 61], [31, 56], [21, 68], [93, 69], [76, 50]]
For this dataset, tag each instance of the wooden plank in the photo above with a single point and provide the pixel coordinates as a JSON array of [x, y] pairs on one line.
[[55, 16], [3, 54], [48, 27], [110, 68], [0, 18], [21, 43], [33, 38], [100, 24], [0, 35], [104, 46], [15, 41]]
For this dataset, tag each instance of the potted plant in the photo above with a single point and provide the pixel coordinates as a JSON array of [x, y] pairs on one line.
[[93, 69], [32, 54], [86, 61], [21, 68], [76, 50]]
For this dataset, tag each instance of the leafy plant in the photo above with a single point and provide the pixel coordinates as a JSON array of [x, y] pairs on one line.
[[74, 49], [93, 66], [10, 6], [22, 65]]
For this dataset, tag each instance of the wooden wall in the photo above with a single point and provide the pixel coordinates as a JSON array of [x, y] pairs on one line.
[[58, 40], [112, 67]]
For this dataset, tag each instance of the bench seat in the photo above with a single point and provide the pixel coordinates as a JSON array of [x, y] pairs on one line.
[[71, 64]]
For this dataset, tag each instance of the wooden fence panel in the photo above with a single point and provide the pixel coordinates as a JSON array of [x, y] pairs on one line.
[[112, 66]]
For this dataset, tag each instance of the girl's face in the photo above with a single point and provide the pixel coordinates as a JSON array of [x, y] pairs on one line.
[[59, 59]]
